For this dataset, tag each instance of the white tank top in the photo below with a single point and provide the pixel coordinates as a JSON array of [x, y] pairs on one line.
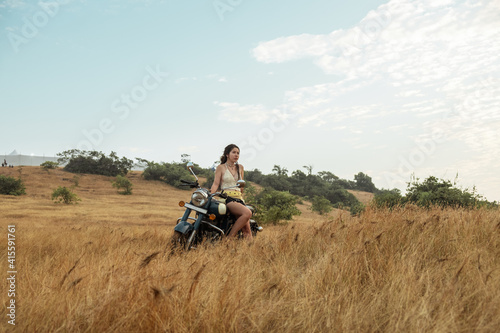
[[228, 180]]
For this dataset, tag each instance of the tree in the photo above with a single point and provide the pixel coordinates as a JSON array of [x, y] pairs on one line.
[[49, 165], [280, 171], [277, 182], [327, 176], [122, 182], [309, 169], [11, 186], [64, 195], [171, 173], [435, 192], [388, 198], [364, 183], [255, 176], [94, 162], [275, 206], [321, 205], [432, 192], [341, 198]]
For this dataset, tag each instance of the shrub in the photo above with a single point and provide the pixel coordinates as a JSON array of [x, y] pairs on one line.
[[11, 186], [93, 162], [388, 199], [47, 165], [250, 194], [321, 205], [432, 192], [275, 206], [340, 197], [76, 180], [170, 173], [364, 183], [123, 183], [154, 171], [435, 192], [210, 180], [357, 209], [64, 195]]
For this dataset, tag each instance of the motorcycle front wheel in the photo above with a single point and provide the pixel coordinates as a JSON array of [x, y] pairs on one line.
[[181, 241]]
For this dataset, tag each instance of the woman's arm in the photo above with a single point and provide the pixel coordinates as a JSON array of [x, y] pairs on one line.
[[217, 179], [242, 171]]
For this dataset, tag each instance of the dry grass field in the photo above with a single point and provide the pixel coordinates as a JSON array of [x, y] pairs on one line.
[[364, 197], [103, 266]]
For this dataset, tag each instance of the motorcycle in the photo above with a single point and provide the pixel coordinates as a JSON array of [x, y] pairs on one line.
[[212, 220]]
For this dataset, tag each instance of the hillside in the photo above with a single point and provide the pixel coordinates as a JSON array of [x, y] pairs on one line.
[[152, 202], [364, 197], [104, 266]]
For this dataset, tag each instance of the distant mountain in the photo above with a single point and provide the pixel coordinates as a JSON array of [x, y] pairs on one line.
[[18, 159]]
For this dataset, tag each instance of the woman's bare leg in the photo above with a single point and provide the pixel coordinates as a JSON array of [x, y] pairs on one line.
[[243, 215]]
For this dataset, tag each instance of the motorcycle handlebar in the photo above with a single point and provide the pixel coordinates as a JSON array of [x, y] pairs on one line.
[[188, 183]]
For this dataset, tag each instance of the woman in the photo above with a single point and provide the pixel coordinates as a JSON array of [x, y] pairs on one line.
[[226, 175]]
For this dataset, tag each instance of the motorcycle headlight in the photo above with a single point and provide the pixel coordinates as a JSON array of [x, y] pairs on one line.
[[199, 198]]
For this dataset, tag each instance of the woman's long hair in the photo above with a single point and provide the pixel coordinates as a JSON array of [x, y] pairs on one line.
[[227, 150]]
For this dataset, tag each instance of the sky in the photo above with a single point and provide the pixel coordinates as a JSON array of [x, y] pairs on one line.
[[394, 89]]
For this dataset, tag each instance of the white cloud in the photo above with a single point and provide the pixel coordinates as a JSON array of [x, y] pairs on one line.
[[12, 4], [409, 93], [412, 42], [437, 62], [188, 149], [236, 113], [210, 77], [136, 150]]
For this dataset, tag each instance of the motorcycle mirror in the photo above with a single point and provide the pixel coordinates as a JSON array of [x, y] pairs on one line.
[[190, 167], [241, 183]]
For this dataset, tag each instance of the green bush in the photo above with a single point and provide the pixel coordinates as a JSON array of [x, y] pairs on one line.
[[170, 173], [357, 209], [435, 192], [388, 198], [432, 192], [321, 205], [340, 197], [11, 186], [364, 183], [154, 171], [76, 181], [123, 183], [324, 184], [275, 206], [47, 165], [250, 193], [93, 162], [64, 195]]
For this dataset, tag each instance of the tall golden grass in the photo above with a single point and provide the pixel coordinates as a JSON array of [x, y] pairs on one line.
[[104, 266]]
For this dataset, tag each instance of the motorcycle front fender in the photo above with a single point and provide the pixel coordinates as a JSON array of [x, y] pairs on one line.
[[183, 227]]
